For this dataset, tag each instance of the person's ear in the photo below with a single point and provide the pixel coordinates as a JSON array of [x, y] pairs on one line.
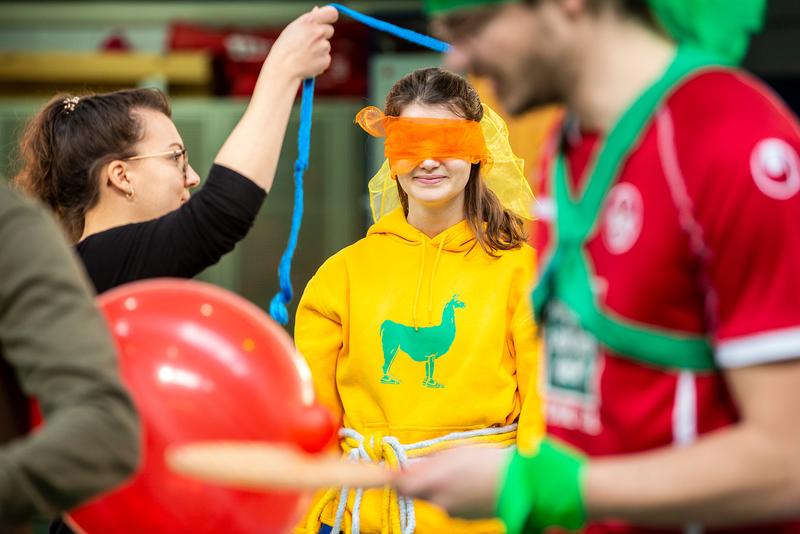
[[116, 177]]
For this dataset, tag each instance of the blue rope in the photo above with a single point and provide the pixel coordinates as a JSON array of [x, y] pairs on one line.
[[277, 307], [417, 38]]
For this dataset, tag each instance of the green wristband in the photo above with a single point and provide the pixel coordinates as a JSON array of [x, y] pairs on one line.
[[543, 490]]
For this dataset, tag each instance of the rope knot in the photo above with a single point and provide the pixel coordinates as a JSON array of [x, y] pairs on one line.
[[277, 308], [373, 445]]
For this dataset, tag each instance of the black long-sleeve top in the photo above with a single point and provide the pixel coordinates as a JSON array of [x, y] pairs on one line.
[[181, 243]]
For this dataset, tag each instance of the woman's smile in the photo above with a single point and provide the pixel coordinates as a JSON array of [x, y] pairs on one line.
[[429, 179]]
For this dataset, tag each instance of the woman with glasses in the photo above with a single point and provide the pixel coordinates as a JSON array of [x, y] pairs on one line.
[[115, 170]]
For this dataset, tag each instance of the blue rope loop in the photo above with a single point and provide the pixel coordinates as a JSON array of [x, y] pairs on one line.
[[278, 306]]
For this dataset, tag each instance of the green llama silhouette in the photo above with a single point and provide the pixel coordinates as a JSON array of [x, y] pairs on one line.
[[425, 344]]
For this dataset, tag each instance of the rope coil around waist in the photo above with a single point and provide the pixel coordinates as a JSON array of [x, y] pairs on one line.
[[397, 512]]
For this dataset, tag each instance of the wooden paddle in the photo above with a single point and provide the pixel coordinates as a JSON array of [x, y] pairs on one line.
[[270, 467]]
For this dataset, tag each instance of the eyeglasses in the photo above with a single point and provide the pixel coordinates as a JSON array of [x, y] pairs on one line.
[[180, 156]]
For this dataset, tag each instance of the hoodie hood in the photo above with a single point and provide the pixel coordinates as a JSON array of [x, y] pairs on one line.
[[457, 238]]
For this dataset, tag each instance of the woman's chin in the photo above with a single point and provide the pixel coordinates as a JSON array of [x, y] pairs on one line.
[[432, 201]]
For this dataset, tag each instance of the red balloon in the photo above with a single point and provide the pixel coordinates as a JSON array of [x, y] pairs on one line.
[[202, 364], [314, 429]]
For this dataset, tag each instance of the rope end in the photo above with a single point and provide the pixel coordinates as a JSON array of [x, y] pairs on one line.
[[278, 311]]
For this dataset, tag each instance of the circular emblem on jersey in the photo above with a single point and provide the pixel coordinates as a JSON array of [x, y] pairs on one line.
[[775, 166], [623, 218]]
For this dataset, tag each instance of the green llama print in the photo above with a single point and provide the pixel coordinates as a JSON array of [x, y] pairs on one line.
[[424, 344]]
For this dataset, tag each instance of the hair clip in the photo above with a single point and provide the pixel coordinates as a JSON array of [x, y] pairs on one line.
[[69, 103]]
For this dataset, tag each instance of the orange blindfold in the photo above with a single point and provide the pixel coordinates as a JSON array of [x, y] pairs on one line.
[[411, 140]]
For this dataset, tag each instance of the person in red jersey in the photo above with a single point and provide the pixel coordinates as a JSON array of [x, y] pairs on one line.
[[669, 225]]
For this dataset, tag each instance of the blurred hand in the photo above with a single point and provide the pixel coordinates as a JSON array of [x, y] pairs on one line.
[[303, 49], [463, 481]]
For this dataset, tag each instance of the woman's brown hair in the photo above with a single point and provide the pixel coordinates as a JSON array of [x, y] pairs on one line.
[[495, 228], [67, 143]]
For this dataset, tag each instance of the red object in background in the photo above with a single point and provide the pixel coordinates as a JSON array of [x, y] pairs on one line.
[[116, 42], [35, 414], [202, 364], [239, 54]]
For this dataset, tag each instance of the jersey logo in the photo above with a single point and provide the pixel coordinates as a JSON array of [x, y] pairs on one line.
[[776, 168], [422, 344], [624, 213], [573, 371]]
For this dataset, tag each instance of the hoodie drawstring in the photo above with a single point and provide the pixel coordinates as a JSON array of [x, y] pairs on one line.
[[419, 282], [433, 278], [419, 285]]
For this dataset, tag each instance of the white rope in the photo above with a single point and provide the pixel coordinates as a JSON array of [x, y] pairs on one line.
[[357, 510], [408, 520], [342, 504], [467, 434]]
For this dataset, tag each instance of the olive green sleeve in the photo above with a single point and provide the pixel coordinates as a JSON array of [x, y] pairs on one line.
[[56, 341]]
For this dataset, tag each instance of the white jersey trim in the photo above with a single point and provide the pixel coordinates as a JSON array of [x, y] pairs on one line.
[[676, 182], [764, 347], [684, 410], [684, 423]]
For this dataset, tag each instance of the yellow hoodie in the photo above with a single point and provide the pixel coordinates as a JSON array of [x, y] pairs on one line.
[[417, 338]]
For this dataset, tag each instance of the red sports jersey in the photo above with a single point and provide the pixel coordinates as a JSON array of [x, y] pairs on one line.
[[700, 233]]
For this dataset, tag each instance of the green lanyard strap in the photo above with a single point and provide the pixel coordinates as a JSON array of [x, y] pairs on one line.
[[568, 275]]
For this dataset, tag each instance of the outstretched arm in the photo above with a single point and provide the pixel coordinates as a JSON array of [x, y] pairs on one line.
[[743, 474], [301, 51]]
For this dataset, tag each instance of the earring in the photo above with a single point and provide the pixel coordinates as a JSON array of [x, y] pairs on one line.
[[130, 194]]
